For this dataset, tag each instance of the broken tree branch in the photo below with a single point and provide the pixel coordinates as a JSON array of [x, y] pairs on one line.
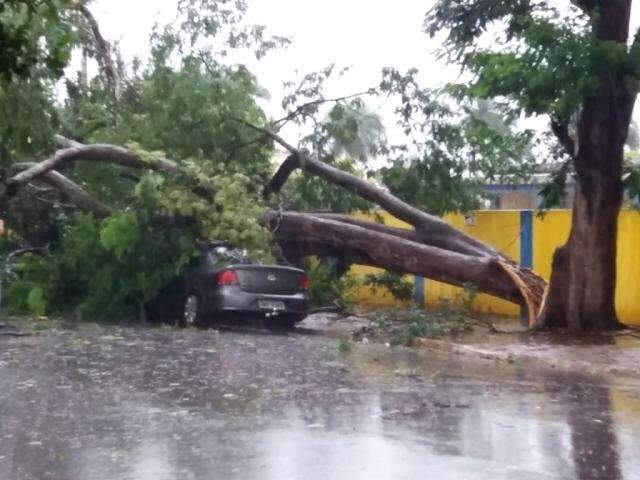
[[365, 243], [102, 50], [450, 255], [76, 194], [428, 225], [69, 189], [421, 221], [300, 109], [92, 153], [433, 239]]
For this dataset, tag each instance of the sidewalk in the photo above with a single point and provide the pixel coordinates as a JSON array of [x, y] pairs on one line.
[[616, 354]]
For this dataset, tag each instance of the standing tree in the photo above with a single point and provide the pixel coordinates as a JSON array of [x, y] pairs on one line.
[[577, 65]]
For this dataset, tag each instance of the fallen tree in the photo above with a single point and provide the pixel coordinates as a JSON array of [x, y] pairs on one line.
[[434, 249], [394, 252]]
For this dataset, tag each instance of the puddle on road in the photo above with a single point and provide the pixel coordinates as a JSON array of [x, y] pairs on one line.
[[153, 404]]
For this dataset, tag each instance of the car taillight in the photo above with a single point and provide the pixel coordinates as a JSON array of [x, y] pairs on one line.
[[304, 282], [227, 277]]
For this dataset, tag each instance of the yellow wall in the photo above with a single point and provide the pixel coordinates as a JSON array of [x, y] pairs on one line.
[[628, 289], [552, 230], [502, 232], [501, 228], [549, 232]]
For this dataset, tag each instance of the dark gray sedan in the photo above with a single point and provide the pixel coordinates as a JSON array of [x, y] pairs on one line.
[[224, 285]]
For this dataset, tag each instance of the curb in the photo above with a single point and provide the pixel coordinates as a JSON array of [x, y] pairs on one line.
[[570, 365]]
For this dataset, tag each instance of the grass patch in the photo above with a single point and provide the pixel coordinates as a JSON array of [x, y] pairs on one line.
[[402, 327], [344, 346]]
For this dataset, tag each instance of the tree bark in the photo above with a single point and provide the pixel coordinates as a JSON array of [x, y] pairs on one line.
[[430, 226], [76, 194], [101, 153], [45, 171], [396, 253], [68, 189], [581, 293]]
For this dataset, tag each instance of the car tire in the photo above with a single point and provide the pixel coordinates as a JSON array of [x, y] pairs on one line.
[[192, 315]]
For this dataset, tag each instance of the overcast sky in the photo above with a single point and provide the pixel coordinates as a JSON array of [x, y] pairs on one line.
[[364, 34]]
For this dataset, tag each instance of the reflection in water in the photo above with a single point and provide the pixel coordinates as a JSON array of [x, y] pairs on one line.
[[151, 459], [276, 408], [593, 434]]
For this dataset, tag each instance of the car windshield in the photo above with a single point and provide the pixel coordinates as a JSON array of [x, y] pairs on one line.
[[230, 254]]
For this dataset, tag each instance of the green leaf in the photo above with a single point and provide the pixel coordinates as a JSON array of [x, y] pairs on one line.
[[36, 301], [120, 233]]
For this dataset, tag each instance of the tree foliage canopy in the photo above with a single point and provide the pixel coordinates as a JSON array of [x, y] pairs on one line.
[[34, 33], [544, 59]]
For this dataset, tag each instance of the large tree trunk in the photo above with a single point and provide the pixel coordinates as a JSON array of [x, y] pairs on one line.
[[583, 281], [381, 247], [434, 250], [581, 293], [430, 228]]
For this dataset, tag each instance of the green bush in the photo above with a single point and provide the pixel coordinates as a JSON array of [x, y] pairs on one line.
[[405, 326], [24, 285], [36, 301], [328, 287], [395, 284]]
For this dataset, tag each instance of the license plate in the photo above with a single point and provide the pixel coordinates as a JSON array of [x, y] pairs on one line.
[[271, 304]]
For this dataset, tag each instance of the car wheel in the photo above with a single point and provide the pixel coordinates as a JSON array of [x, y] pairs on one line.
[[192, 315]]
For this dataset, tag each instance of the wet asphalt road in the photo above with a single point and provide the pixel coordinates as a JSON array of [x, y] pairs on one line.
[[159, 404]]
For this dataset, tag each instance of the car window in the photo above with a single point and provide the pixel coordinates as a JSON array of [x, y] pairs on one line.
[[222, 254]]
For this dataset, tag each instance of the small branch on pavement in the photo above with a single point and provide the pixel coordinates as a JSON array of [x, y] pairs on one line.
[[16, 334]]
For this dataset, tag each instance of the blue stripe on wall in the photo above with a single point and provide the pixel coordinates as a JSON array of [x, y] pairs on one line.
[[526, 246], [418, 290], [526, 238]]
